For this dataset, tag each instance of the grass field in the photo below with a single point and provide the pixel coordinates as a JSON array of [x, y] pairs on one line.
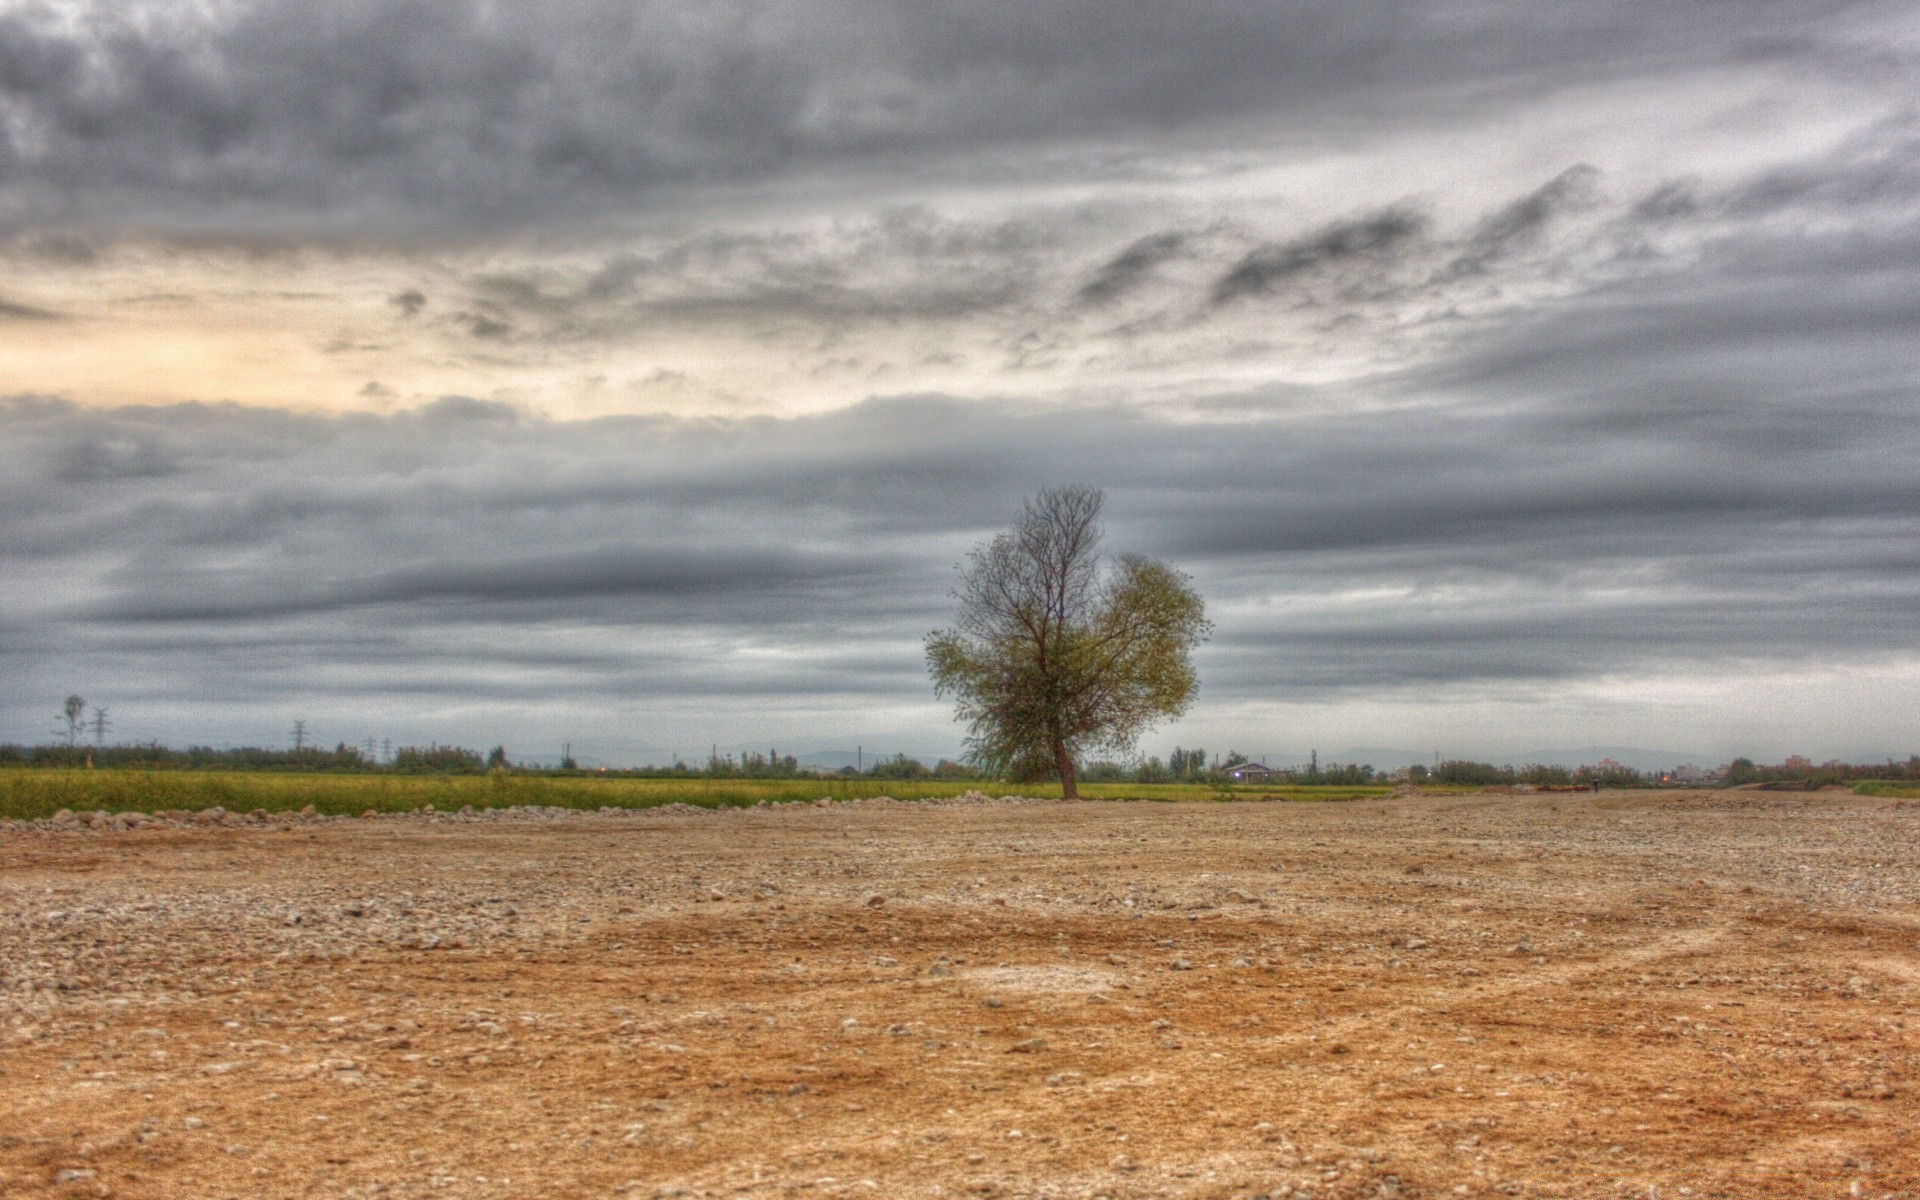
[[30, 793], [1894, 789]]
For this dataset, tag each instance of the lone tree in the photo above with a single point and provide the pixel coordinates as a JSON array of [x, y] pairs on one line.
[[1056, 652]]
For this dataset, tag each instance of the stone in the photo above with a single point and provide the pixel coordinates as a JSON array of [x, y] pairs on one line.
[[1028, 1047]]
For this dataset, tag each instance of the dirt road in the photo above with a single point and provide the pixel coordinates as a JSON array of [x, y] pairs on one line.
[[1671, 994]]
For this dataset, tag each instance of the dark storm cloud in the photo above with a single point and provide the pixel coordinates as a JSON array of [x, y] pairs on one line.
[[403, 114]]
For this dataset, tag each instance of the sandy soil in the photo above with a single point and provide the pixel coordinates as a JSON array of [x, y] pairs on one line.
[[1681, 994]]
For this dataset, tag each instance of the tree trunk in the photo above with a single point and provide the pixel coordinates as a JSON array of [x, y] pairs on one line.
[[1069, 787]]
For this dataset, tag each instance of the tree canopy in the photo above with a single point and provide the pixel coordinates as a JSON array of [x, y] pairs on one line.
[[1057, 651]]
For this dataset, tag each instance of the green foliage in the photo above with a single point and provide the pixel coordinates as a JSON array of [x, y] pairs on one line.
[[899, 767], [1608, 776], [1053, 655], [1477, 774], [1187, 764], [27, 793], [1347, 773], [1106, 772], [456, 760]]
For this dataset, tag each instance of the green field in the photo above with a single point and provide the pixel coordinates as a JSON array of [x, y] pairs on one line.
[[1900, 789], [28, 793]]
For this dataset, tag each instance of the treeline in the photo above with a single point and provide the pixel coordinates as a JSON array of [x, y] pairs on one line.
[[1745, 770], [153, 756], [773, 765], [1182, 766], [1480, 774]]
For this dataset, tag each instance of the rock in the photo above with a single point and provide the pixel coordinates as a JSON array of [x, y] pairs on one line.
[[1416, 943], [991, 1002], [875, 901], [1523, 947], [1181, 964], [1028, 1046]]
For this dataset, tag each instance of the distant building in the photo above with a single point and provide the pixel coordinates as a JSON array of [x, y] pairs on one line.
[[1607, 766], [1688, 773], [1797, 762], [1249, 773]]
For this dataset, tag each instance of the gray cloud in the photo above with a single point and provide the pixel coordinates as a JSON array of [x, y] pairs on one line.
[[399, 114], [10, 311], [1126, 269], [1371, 241], [1521, 224], [1661, 477], [1502, 425]]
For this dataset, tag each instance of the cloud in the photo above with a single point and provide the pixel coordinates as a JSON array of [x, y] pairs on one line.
[[397, 115], [1373, 241], [1126, 269], [10, 311], [1521, 224], [1662, 477], [1398, 328]]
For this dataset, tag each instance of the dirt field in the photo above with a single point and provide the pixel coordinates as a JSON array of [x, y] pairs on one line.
[[1684, 994]]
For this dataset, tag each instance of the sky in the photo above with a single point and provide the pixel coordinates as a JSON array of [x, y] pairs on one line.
[[635, 375]]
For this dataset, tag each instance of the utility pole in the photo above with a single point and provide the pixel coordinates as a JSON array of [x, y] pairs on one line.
[[100, 726], [860, 759], [369, 746], [386, 749], [299, 735]]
